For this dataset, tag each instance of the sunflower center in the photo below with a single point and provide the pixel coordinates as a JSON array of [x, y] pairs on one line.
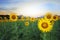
[[26, 23], [51, 21], [32, 18], [44, 25], [49, 16], [54, 17], [13, 17]]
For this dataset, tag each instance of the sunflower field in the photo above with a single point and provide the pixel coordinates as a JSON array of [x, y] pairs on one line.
[[15, 27]]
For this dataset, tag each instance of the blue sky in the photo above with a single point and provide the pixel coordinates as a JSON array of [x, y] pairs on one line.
[[48, 5], [13, 3]]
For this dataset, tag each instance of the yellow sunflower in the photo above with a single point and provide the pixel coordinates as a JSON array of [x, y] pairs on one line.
[[52, 22], [13, 17], [44, 25], [22, 18], [55, 17], [32, 19], [0, 19], [26, 23], [48, 16]]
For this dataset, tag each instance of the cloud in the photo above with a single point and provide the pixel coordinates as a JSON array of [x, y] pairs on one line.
[[43, 5]]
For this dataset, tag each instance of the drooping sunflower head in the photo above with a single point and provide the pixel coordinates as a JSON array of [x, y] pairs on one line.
[[44, 25], [52, 22], [48, 16], [13, 17], [32, 19], [26, 23], [55, 17]]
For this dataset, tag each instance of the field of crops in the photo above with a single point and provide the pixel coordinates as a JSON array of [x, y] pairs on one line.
[[27, 30], [18, 31]]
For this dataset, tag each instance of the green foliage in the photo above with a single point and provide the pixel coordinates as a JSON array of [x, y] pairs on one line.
[[18, 31]]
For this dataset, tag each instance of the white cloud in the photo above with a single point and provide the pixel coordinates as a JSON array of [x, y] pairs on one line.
[[31, 8]]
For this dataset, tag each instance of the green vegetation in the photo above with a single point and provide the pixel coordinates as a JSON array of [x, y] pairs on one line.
[[18, 31]]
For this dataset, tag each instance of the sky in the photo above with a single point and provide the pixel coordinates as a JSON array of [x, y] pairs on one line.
[[33, 8]]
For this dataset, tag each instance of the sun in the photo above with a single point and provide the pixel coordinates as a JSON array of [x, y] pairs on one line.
[[32, 10]]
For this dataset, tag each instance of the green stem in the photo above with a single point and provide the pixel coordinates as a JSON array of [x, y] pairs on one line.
[[16, 30], [44, 36]]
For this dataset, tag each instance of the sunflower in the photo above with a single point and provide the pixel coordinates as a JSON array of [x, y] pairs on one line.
[[13, 17], [52, 22], [32, 19], [26, 23], [55, 17], [22, 18], [44, 25], [48, 16]]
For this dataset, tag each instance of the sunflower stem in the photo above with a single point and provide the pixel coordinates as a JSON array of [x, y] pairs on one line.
[[16, 30], [44, 36]]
